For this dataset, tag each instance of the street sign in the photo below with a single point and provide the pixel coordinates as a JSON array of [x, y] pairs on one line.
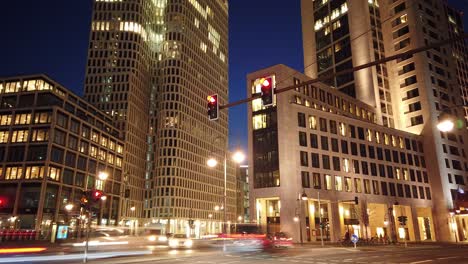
[[354, 239]]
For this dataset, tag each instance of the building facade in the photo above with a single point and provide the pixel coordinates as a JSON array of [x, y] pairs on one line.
[[408, 94], [53, 146], [151, 65], [318, 142], [243, 200]]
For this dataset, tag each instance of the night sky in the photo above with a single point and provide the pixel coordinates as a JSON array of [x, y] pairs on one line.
[[51, 37]]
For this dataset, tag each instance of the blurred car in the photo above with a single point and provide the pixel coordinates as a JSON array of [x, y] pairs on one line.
[[180, 241], [280, 240]]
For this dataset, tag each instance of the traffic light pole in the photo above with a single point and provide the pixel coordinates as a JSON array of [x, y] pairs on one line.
[[88, 227], [320, 218]]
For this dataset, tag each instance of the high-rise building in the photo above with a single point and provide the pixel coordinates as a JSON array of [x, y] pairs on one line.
[[53, 146], [410, 93], [151, 65], [316, 150]]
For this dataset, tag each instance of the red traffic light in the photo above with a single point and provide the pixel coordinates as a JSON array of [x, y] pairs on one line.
[[97, 195], [213, 107], [2, 202], [267, 91]]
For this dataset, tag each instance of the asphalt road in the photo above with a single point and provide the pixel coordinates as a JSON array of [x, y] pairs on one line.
[[414, 254]]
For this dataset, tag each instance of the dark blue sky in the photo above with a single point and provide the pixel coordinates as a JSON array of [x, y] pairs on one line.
[[51, 37]]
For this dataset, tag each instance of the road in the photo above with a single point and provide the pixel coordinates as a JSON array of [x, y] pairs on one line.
[[414, 254]]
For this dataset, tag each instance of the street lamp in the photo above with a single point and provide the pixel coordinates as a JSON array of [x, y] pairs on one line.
[[238, 157], [447, 121], [298, 217], [69, 207], [103, 175]]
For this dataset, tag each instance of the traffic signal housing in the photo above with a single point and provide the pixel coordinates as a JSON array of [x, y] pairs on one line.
[[267, 91], [402, 219], [213, 107], [2, 202], [96, 195]]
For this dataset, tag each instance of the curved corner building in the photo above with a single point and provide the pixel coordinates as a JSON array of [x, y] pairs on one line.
[[151, 64]]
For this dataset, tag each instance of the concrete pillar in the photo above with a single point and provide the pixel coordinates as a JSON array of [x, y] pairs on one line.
[[335, 222], [415, 222]]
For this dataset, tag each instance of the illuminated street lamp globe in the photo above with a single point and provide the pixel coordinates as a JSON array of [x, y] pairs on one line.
[[103, 175], [212, 162], [445, 125], [238, 157], [69, 207]]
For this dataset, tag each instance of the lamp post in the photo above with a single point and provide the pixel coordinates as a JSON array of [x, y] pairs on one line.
[[447, 121], [238, 157], [298, 217], [102, 175]]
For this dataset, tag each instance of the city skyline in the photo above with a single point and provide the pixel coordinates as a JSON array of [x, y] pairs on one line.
[[45, 33]]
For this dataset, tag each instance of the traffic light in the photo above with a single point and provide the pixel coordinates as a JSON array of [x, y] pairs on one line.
[[2, 202], [84, 201], [213, 107], [267, 91], [96, 195], [356, 200], [402, 219]]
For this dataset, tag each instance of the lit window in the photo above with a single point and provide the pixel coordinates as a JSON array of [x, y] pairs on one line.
[[312, 122], [5, 120], [40, 135], [119, 148], [111, 145], [259, 121], [377, 137], [405, 174], [110, 158], [394, 143], [348, 184], [104, 142], [19, 136], [102, 154], [4, 136], [402, 144], [22, 119], [338, 183], [13, 173], [357, 185], [54, 174], [369, 135], [342, 129], [346, 165], [94, 136], [42, 118], [93, 151], [386, 139], [118, 162], [328, 183], [398, 173], [34, 172]]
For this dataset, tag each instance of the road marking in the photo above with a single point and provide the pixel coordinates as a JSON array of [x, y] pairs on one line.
[[422, 261], [448, 257]]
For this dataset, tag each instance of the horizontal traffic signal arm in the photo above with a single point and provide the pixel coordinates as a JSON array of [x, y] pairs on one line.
[[360, 67]]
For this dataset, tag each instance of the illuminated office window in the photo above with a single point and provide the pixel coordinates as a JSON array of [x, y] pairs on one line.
[[357, 185], [40, 135], [4, 136], [93, 151], [338, 183], [42, 118], [54, 173], [342, 129], [369, 135], [5, 120], [328, 182], [13, 173], [118, 162], [22, 119], [34, 172], [346, 165], [119, 148], [312, 122], [19, 136], [348, 184]]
